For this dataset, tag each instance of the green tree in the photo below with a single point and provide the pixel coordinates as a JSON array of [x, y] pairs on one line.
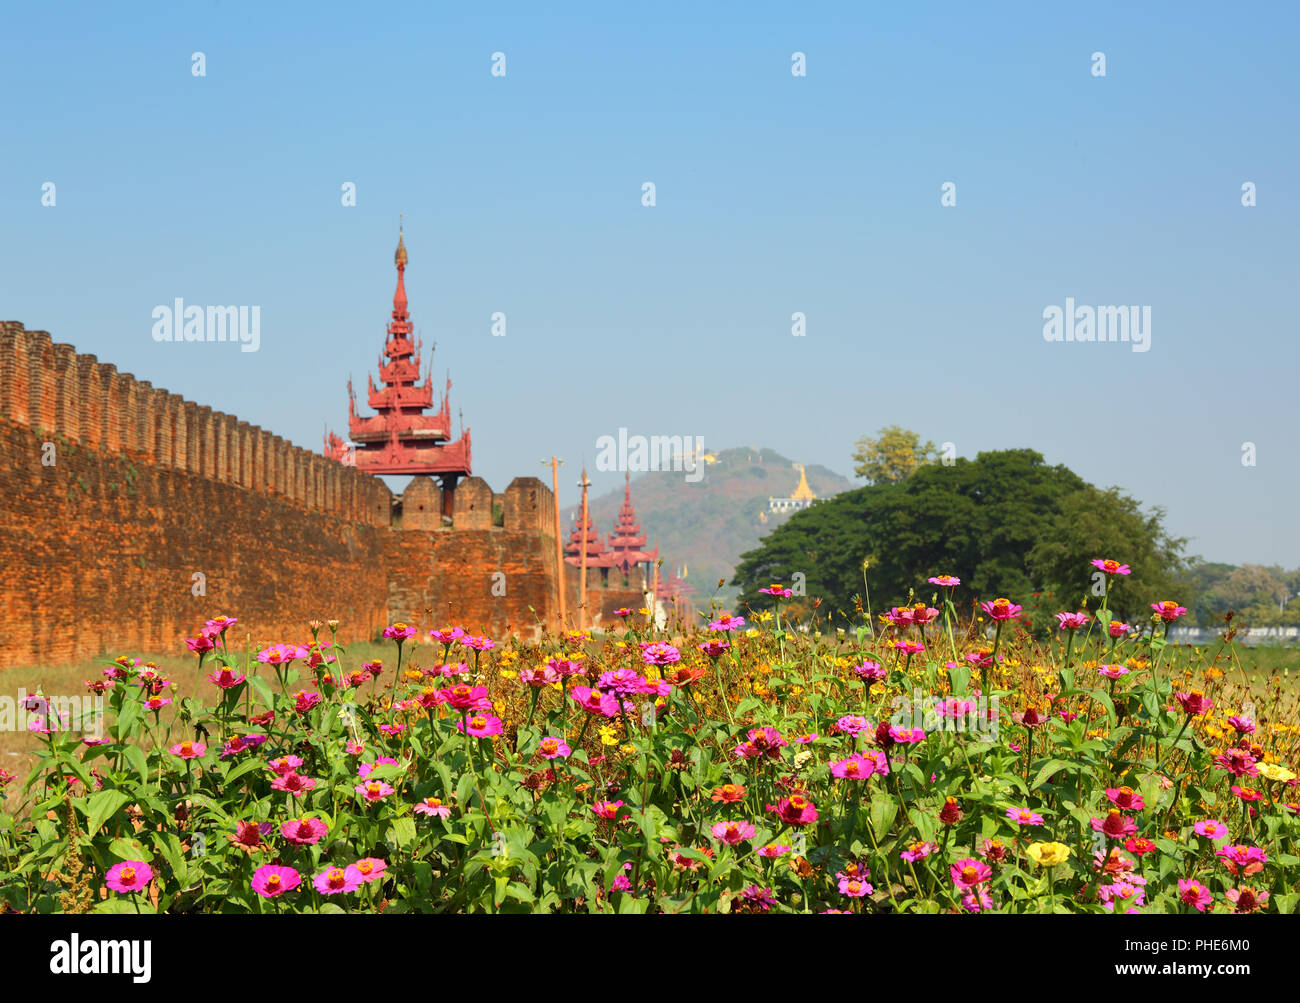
[[1007, 523], [893, 456]]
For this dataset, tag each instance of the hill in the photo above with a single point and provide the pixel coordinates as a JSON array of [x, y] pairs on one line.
[[704, 527]]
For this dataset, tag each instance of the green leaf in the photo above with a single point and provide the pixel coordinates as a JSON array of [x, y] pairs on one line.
[[883, 812], [101, 806], [1048, 770], [401, 833], [136, 758]]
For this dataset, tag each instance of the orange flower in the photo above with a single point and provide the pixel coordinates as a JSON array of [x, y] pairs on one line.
[[729, 793]]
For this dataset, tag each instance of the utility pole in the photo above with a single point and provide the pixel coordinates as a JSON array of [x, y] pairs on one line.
[[582, 581], [559, 545]]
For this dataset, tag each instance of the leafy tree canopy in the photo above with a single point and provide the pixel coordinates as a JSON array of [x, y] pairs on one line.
[[1006, 523], [892, 457]]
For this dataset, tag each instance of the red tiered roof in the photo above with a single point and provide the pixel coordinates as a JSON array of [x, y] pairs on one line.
[[628, 542], [401, 438], [597, 555]]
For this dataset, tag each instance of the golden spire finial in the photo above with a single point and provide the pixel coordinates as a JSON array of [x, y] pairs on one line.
[[803, 492], [399, 258]]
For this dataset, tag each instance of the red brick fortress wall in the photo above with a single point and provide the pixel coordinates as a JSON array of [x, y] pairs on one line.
[[99, 548]]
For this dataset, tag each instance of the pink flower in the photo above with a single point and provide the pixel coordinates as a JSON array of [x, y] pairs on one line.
[[1241, 859], [795, 810], [909, 647], [1194, 894], [464, 697], [777, 592], [128, 876], [1117, 629], [305, 700], [566, 667], [856, 767], [371, 869], [293, 784], [225, 678], [1211, 828], [607, 809], [906, 736], [977, 900], [1113, 671], [1242, 725], [870, 671], [1001, 609], [1072, 621], [969, 872], [481, 725], [1125, 798], [1115, 825], [900, 616], [284, 765], [1124, 896], [447, 634], [1112, 567], [303, 831], [553, 748], [188, 750], [1023, 817], [1168, 611], [772, 850], [714, 649], [238, 743], [727, 622], [281, 654], [1194, 703], [396, 632], [1246, 899], [271, 880], [918, 851], [433, 806], [478, 643], [659, 653], [595, 702], [1238, 762], [852, 724], [732, 833], [219, 625], [854, 888], [374, 790], [336, 880], [945, 581], [200, 644]]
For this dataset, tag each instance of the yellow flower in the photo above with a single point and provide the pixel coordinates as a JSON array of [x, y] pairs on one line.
[[607, 736], [1274, 772], [414, 675], [629, 749], [507, 674], [1047, 854], [795, 690]]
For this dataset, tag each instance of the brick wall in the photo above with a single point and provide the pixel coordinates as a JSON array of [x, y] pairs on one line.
[[99, 549]]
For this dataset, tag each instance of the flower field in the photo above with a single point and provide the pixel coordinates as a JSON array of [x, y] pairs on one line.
[[932, 760]]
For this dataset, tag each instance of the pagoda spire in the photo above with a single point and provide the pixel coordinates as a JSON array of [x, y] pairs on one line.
[[400, 316], [406, 435]]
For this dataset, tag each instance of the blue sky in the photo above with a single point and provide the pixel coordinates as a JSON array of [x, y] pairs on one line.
[[775, 195]]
